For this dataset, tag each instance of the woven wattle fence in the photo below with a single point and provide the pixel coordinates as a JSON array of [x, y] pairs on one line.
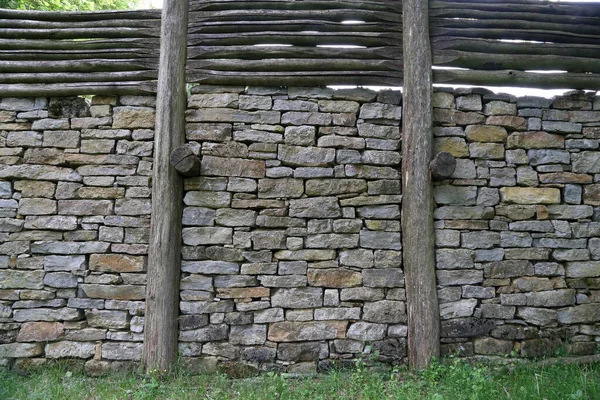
[[66, 53], [302, 43]]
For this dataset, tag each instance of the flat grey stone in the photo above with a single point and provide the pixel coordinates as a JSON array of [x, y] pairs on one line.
[[297, 298], [454, 258], [365, 331], [210, 267]]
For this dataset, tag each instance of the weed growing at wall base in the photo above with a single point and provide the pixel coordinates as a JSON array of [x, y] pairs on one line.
[[451, 379]]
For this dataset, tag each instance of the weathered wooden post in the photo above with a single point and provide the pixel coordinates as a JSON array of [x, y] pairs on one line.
[[162, 291], [417, 201]]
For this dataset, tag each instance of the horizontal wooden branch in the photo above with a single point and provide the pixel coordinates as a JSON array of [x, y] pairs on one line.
[[78, 33], [79, 16], [47, 55], [516, 23], [271, 15], [522, 2], [75, 89], [301, 78], [517, 34], [106, 23], [469, 13], [491, 46], [284, 65], [259, 52], [81, 45], [94, 65], [379, 5], [66, 77], [368, 39], [292, 26], [513, 78], [486, 61], [538, 7]]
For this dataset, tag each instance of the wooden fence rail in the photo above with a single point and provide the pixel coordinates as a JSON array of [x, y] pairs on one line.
[[61, 53], [304, 42], [281, 42], [501, 43], [493, 42]]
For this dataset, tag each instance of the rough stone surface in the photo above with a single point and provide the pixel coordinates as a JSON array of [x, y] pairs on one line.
[[303, 331], [292, 242], [67, 349]]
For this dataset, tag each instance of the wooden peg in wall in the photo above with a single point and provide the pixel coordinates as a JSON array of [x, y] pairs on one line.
[[442, 166], [185, 161]]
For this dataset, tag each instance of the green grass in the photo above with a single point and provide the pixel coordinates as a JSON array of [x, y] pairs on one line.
[[452, 380]]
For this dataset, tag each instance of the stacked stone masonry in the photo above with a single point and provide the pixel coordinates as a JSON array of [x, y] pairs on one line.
[[518, 225], [74, 225], [292, 247], [291, 253]]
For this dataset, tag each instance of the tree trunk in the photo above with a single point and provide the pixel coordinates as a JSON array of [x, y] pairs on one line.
[[417, 203], [162, 291]]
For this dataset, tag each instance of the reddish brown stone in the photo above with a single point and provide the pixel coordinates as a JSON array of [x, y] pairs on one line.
[[565, 177], [117, 263], [541, 212], [507, 121], [334, 278], [535, 140], [40, 331], [516, 212], [113, 292]]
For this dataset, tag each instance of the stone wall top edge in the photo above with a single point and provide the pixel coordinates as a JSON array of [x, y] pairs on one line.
[[316, 90]]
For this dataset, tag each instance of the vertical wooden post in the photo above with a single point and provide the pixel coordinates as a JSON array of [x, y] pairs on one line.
[[417, 200], [162, 291]]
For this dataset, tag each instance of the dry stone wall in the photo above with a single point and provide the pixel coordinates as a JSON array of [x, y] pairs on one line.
[[292, 247], [74, 225], [518, 225], [291, 253]]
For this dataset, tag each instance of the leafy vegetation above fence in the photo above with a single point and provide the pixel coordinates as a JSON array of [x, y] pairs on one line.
[[69, 5]]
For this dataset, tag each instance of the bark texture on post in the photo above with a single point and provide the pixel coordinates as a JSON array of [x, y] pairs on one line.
[[417, 203], [162, 292]]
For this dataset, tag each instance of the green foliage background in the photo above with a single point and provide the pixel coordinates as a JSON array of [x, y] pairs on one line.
[[69, 5]]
